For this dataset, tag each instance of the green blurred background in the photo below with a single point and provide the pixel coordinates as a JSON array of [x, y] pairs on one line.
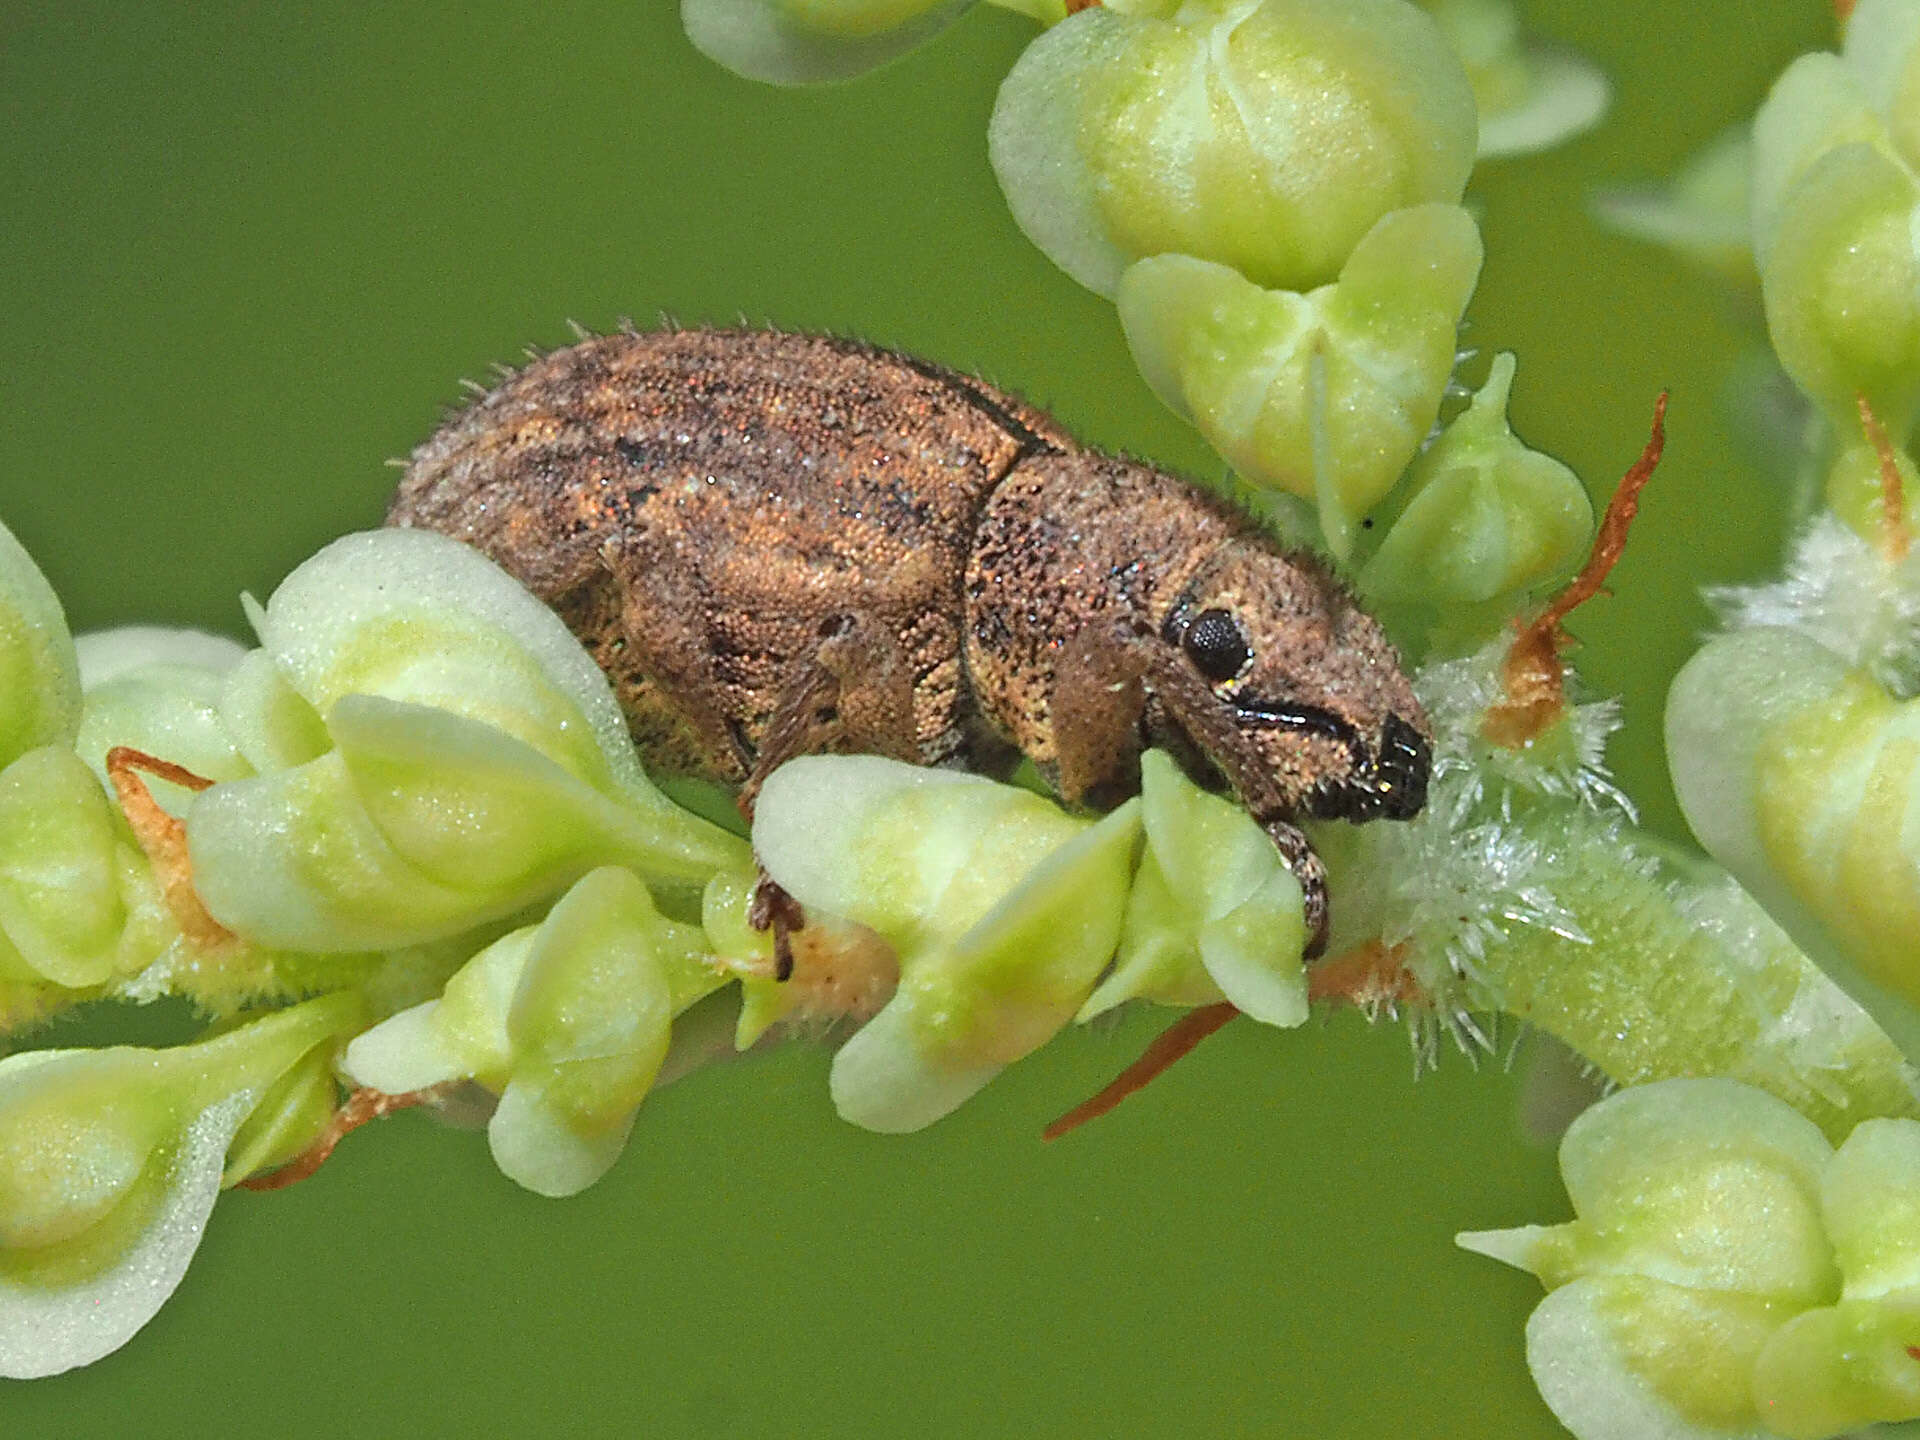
[[246, 252]]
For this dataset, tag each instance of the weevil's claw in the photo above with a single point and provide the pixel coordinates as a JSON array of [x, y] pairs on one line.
[[774, 909]]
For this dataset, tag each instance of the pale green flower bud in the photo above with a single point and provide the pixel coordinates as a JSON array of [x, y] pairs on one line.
[[1699, 1233], [479, 761], [1703, 1183], [110, 1161], [1703, 214], [1856, 493], [1798, 773], [1214, 913], [106, 655], [290, 1117], [567, 1021], [1841, 284], [1848, 1365], [1325, 395], [799, 42], [1265, 135], [1835, 195], [1871, 1197], [1529, 97], [1002, 908], [269, 722], [413, 616], [39, 674], [168, 710], [1488, 515], [78, 903], [1882, 48], [1816, 106], [1835, 1370]]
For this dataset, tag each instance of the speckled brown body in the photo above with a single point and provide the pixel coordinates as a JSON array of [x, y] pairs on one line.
[[776, 543]]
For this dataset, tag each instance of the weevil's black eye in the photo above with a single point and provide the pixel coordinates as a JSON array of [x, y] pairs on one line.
[[1217, 645]]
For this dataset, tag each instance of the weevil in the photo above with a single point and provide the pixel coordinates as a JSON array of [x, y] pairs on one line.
[[779, 544]]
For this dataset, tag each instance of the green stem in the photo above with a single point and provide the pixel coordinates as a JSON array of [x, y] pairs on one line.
[[1683, 974]]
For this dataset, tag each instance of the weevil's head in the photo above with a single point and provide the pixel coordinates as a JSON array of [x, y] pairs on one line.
[[1309, 677]]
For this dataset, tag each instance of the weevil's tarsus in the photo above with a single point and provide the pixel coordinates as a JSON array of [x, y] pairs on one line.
[[1535, 679], [774, 909]]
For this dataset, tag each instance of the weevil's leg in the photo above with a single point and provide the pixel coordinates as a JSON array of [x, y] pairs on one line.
[[774, 909], [1096, 710], [662, 638], [854, 694], [1311, 872], [1098, 701]]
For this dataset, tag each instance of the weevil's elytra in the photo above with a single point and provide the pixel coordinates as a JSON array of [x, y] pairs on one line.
[[777, 544]]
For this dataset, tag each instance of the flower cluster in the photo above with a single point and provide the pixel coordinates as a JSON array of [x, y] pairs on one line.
[[427, 817], [401, 850], [1787, 735]]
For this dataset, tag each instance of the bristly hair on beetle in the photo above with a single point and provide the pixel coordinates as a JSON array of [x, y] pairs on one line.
[[783, 544]]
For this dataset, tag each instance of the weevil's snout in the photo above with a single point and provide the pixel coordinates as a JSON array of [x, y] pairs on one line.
[[1400, 774], [1388, 783]]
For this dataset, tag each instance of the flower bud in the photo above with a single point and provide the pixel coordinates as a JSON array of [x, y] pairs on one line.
[[1857, 494], [478, 761], [110, 1161], [1489, 516], [1839, 1369], [1699, 1235], [1002, 908], [1325, 395], [1798, 773], [1268, 138], [78, 902], [1882, 48], [106, 655], [168, 710], [567, 1021], [1845, 1366], [1841, 284], [1214, 913]]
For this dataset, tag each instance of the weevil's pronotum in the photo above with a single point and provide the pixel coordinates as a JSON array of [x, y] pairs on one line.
[[782, 544]]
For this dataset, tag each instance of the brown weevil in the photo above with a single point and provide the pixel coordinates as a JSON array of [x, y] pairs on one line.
[[783, 544]]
